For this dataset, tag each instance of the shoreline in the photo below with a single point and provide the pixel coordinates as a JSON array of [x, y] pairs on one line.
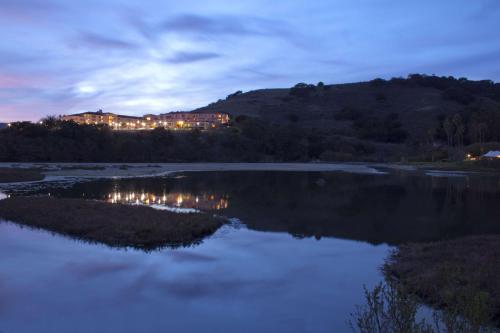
[[135, 170], [102, 170]]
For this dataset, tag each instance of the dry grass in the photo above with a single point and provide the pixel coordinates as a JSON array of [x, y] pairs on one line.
[[440, 271], [11, 175], [114, 225]]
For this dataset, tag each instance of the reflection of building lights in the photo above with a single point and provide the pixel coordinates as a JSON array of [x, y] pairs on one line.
[[184, 200]]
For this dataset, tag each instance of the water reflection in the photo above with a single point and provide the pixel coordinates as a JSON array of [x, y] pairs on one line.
[[184, 200], [398, 207], [238, 281]]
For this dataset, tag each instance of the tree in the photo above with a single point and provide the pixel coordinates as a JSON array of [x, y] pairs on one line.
[[50, 121], [449, 128], [459, 129]]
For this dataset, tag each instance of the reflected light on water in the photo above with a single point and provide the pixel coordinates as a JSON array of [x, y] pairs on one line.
[[181, 200]]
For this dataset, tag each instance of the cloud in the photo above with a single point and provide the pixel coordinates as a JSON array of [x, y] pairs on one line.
[[461, 64], [93, 40], [216, 26], [15, 80], [188, 57], [9, 58], [221, 25], [487, 9], [27, 10]]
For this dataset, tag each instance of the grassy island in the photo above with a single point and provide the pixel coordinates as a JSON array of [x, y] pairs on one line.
[[112, 224]]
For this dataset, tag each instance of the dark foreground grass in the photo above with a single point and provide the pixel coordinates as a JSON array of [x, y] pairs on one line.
[[441, 272], [11, 175], [114, 225]]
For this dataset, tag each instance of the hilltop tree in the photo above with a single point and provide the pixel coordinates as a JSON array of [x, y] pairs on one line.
[[51, 121]]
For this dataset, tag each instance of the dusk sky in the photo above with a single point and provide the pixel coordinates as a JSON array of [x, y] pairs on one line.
[[137, 57]]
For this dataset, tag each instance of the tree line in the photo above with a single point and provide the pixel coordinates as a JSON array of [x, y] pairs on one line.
[[247, 139]]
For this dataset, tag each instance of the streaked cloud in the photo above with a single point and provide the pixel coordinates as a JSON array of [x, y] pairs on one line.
[[92, 40], [187, 57], [60, 56]]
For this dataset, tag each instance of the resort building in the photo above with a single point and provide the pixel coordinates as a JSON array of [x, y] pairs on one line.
[[174, 120]]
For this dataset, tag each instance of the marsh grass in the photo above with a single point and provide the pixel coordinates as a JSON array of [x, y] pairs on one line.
[[390, 308], [457, 277], [112, 224], [440, 272]]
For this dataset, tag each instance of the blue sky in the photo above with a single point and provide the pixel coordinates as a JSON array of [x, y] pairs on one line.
[[137, 57]]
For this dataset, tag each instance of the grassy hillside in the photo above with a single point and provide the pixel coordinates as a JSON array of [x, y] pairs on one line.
[[418, 106]]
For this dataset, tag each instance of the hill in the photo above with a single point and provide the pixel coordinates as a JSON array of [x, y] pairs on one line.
[[408, 112], [420, 118]]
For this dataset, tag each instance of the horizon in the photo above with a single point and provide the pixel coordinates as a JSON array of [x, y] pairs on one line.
[[158, 57]]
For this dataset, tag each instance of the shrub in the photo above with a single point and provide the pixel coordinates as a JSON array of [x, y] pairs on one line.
[[459, 95], [302, 90], [348, 113], [390, 309]]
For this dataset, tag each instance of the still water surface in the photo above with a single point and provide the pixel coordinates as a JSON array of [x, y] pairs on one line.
[[297, 262]]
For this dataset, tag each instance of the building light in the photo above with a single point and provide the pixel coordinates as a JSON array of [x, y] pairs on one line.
[[9, 124]]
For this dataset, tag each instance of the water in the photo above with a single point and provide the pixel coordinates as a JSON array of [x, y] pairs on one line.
[[297, 262]]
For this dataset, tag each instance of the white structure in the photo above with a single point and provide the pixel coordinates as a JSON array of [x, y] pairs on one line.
[[492, 154]]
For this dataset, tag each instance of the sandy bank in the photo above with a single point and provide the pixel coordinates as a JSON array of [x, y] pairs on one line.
[[143, 169], [13, 175]]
